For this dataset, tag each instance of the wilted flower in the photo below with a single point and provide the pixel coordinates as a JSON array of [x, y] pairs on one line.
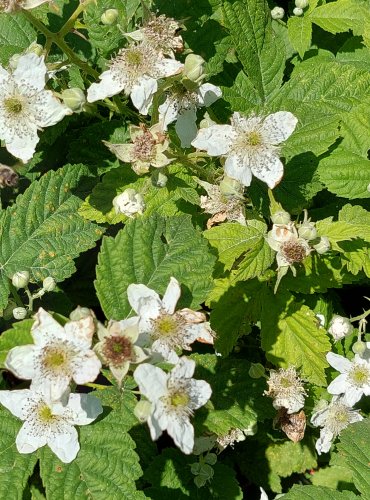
[[333, 418], [25, 106], [8, 177], [286, 389], [129, 203], [58, 355], [174, 398], [51, 423], [146, 149], [117, 348], [135, 70], [8, 6], [161, 328], [340, 327], [354, 379], [250, 145], [290, 248]]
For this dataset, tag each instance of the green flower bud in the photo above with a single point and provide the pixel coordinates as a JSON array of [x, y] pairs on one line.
[[277, 13], [297, 11], [21, 279], [194, 67], [80, 313], [74, 98], [230, 187], [19, 313], [159, 179], [323, 245], [109, 17], [280, 217], [49, 284], [142, 410], [359, 347], [301, 4], [35, 48], [307, 231], [256, 370], [207, 121]]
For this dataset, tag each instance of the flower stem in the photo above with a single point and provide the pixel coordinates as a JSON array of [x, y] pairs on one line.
[[16, 296], [70, 24]]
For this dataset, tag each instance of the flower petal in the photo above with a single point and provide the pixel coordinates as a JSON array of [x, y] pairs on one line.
[[21, 361], [208, 94], [152, 381], [236, 170], [340, 363], [27, 441], [108, 86], [186, 127], [30, 70], [23, 141], [268, 168], [80, 332], [44, 327], [201, 392], [216, 140], [171, 296], [279, 126], [86, 408], [65, 444], [142, 94], [87, 369], [184, 368], [323, 444], [168, 67], [352, 395], [338, 385], [15, 400], [48, 110], [182, 432], [168, 111], [154, 428], [144, 301]]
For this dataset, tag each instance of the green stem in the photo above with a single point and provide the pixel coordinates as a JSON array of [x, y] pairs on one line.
[[16, 296], [30, 299], [70, 24], [360, 317], [100, 387]]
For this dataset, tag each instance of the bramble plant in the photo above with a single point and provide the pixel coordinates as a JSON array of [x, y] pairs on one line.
[[185, 245]]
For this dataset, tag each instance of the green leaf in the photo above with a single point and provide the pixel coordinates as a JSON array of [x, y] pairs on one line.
[[19, 334], [300, 33], [16, 34], [333, 477], [260, 51], [242, 96], [318, 493], [42, 232], [288, 458], [15, 468], [291, 335], [106, 465], [354, 447], [150, 251], [339, 16]]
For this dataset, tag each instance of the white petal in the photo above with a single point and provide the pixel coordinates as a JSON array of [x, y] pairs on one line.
[[48, 110], [184, 369], [171, 296], [142, 94], [152, 381], [108, 86], [182, 432], [15, 400], [160, 347], [52, 388], [186, 127], [27, 441], [119, 372], [168, 111], [200, 393], [323, 444], [338, 385], [235, 170], [128, 328], [65, 445], [208, 94], [31, 70], [168, 67], [88, 368], [352, 396], [154, 428], [279, 126], [86, 408], [44, 327], [144, 301], [21, 361], [23, 146], [268, 168], [216, 140], [31, 4], [340, 363], [80, 332]]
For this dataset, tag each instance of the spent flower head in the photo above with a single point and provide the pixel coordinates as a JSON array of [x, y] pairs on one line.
[[9, 6], [340, 327], [129, 203], [174, 397], [250, 145], [286, 389]]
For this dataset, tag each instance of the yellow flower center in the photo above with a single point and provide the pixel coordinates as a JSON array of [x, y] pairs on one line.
[[179, 399], [253, 138], [360, 375], [13, 105], [134, 58], [165, 326], [45, 414]]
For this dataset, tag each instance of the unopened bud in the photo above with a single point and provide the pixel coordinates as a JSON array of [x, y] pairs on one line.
[[19, 313], [277, 13], [80, 313], [256, 370], [340, 327], [142, 410], [323, 245], [230, 187], [21, 279], [307, 231], [301, 4], [297, 11], [35, 48], [74, 99], [359, 347], [280, 217], [109, 17], [194, 67], [207, 121], [49, 284], [159, 179]]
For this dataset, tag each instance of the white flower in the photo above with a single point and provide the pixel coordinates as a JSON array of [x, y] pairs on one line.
[[129, 203], [333, 418], [340, 327], [174, 398], [290, 248], [250, 145], [8, 6], [135, 70], [117, 347], [263, 494], [25, 107], [163, 329], [286, 389], [181, 105], [51, 423], [354, 379], [58, 355]]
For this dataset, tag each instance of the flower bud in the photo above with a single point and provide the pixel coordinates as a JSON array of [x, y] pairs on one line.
[[297, 11], [74, 99], [109, 17], [323, 245], [159, 179], [35, 48], [301, 4], [142, 410], [21, 279], [129, 203], [280, 217], [307, 231], [256, 370], [194, 67], [340, 327], [277, 13], [49, 284], [19, 313], [207, 121], [359, 347], [80, 313], [230, 187]]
